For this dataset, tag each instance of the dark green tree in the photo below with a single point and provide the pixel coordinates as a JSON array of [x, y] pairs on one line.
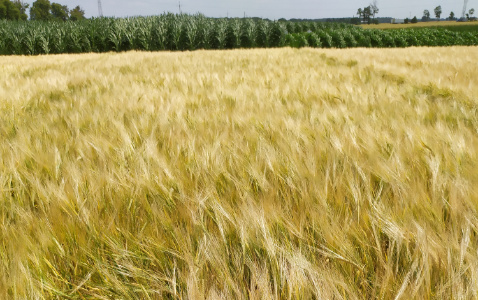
[[22, 7], [9, 11], [369, 12], [59, 12], [40, 10], [364, 14], [360, 13], [414, 20], [374, 9], [77, 14], [452, 16], [426, 15], [3, 10], [438, 11], [406, 21]]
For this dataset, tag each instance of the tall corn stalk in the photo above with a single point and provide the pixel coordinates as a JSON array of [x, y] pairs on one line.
[[219, 34], [248, 33], [233, 34]]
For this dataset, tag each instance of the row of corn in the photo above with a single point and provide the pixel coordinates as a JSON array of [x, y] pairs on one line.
[[191, 32]]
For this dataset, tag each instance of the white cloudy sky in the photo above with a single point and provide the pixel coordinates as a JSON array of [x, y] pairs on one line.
[[272, 9]]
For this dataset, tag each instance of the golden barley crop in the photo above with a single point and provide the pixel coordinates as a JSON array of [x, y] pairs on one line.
[[245, 174]]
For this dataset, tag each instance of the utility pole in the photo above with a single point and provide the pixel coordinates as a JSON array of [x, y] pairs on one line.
[[100, 9], [180, 7], [463, 14]]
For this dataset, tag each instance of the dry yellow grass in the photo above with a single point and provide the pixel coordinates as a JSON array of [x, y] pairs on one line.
[[248, 174], [419, 24]]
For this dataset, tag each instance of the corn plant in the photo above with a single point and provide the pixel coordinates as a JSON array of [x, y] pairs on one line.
[[338, 39], [43, 40], [248, 33], [290, 27], [297, 40], [262, 38], [349, 38], [158, 34], [29, 40], [326, 39], [143, 36], [276, 34], [376, 38], [219, 34], [388, 39], [313, 40], [173, 31], [190, 34], [233, 34]]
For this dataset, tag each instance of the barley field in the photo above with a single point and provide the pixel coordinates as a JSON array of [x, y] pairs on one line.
[[243, 174]]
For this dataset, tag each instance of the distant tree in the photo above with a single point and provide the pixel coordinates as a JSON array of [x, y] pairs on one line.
[[406, 21], [414, 20], [22, 7], [59, 12], [77, 14], [40, 10], [13, 10], [438, 11], [360, 13], [426, 15], [452, 16], [8, 10], [471, 12], [369, 12], [374, 8], [3, 10]]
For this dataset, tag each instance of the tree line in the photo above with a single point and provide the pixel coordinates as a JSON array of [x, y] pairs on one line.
[[438, 12], [42, 10], [367, 15]]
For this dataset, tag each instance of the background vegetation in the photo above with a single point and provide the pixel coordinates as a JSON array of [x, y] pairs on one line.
[[449, 25], [217, 174], [186, 32], [41, 10]]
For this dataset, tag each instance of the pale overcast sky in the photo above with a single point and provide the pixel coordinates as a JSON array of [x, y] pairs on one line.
[[272, 9]]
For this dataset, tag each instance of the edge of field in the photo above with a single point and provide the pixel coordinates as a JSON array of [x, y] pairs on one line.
[[419, 25]]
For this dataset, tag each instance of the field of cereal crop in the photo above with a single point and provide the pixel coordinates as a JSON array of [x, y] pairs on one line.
[[243, 174]]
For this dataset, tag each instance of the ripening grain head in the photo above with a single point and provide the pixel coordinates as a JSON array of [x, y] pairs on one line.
[[240, 174]]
